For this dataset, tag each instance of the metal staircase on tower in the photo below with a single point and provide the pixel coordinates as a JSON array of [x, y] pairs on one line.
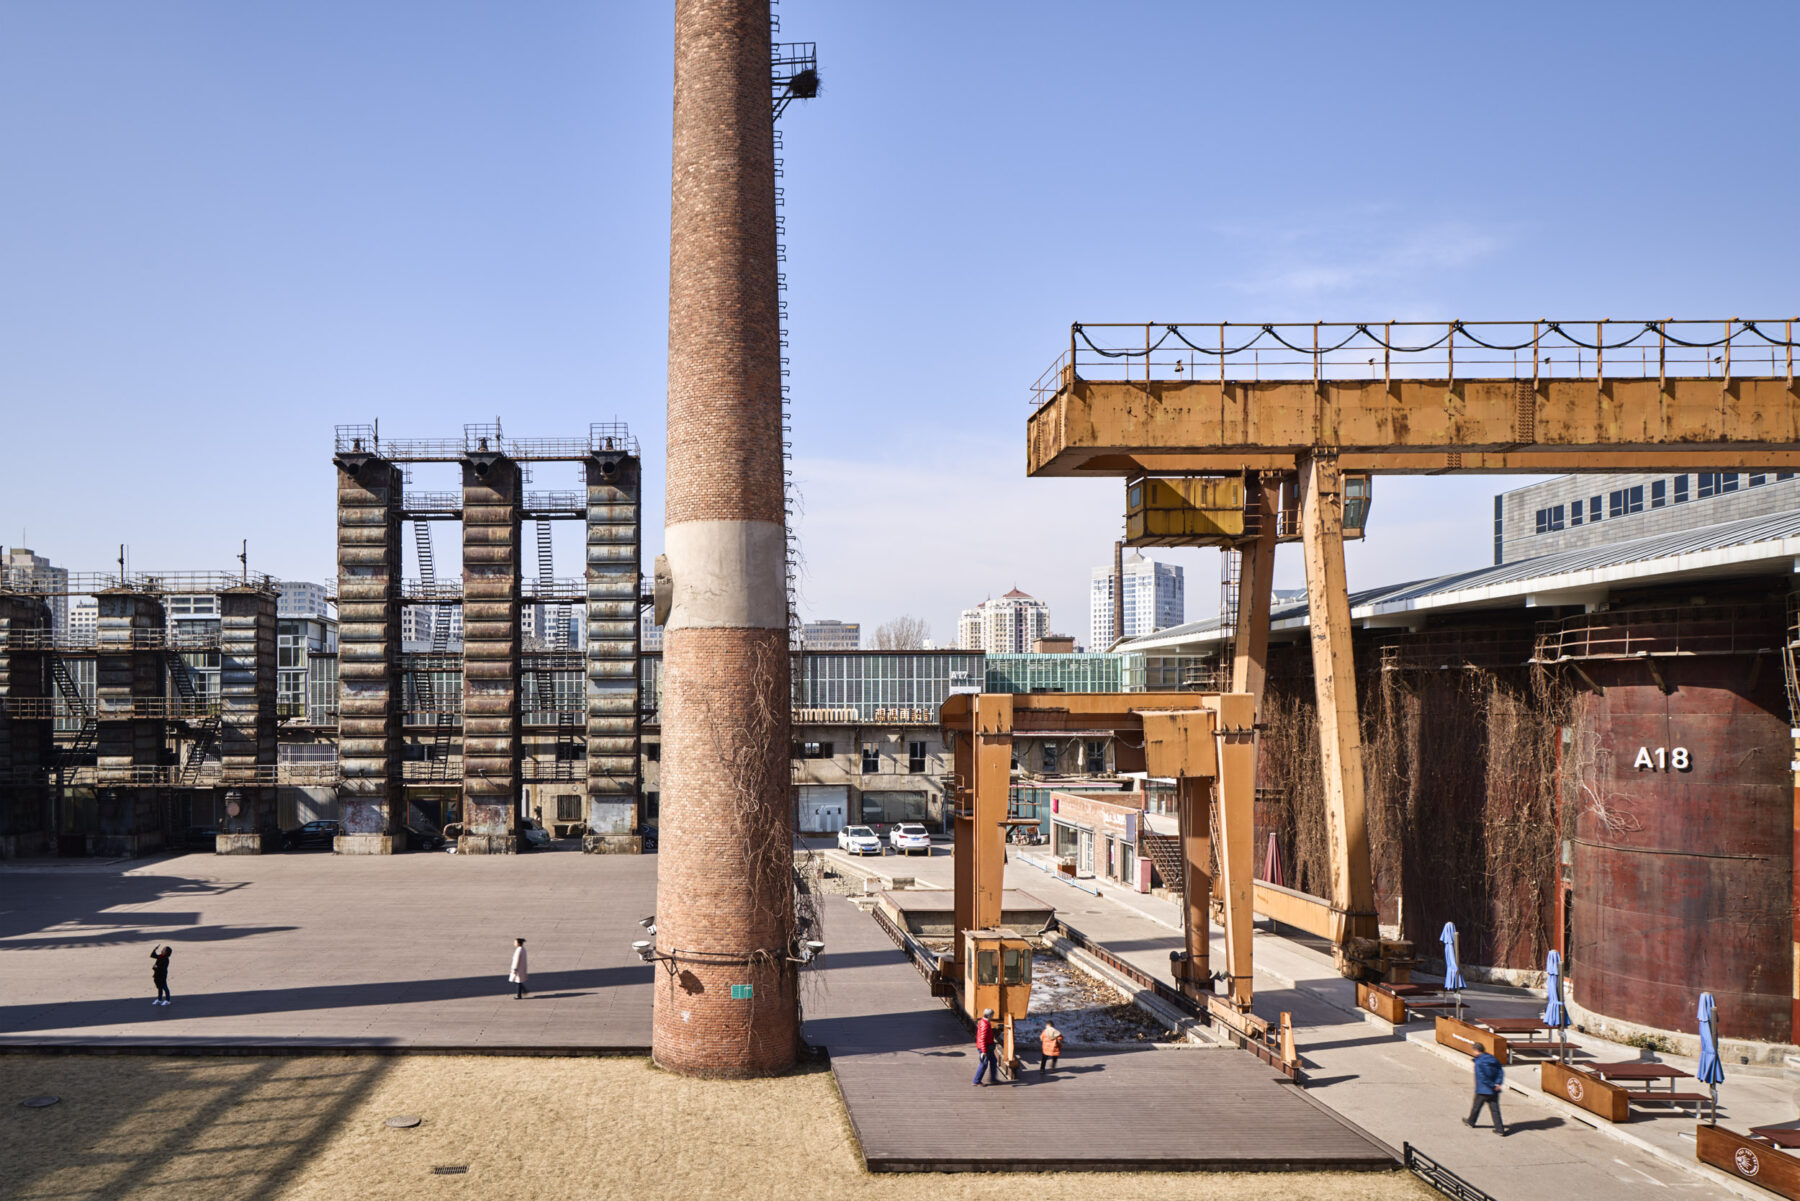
[[563, 764], [425, 682]]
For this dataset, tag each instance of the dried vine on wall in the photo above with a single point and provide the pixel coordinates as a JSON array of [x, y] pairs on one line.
[[1459, 772]]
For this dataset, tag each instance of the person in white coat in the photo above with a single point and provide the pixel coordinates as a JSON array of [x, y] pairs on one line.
[[519, 973]]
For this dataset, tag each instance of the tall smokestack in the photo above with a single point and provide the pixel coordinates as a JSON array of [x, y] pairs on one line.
[[1118, 591], [724, 890]]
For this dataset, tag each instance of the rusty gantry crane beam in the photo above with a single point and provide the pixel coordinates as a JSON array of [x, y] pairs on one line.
[[1231, 435]]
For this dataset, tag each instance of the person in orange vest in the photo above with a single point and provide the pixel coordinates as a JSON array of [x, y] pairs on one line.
[[986, 1036], [1051, 1043]]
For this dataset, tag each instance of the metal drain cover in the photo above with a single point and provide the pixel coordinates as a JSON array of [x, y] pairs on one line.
[[42, 1102], [404, 1121], [450, 1169]]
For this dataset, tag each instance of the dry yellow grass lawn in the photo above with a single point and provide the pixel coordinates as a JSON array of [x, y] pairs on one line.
[[215, 1129]]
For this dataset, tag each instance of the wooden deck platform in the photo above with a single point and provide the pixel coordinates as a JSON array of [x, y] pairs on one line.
[[904, 1064]]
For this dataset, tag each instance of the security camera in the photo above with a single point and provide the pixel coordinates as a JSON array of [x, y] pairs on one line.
[[643, 949], [647, 922], [814, 945]]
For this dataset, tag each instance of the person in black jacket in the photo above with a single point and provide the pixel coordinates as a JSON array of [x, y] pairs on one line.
[[159, 973], [1489, 1076]]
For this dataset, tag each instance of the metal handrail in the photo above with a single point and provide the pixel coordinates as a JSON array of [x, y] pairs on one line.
[[1236, 352]]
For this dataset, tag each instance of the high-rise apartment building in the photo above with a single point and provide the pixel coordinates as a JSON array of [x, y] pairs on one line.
[[829, 635], [416, 624], [300, 598], [84, 620], [28, 572], [1004, 625], [1154, 600]]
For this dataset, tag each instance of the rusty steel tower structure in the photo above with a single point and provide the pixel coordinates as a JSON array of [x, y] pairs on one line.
[[725, 1001]]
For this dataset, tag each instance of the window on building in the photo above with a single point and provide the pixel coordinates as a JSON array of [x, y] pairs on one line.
[[871, 760], [1576, 511], [653, 805], [915, 757], [1681, 489], [568, 807], [1783, 475], [1728, 481], [813, 750], [1705, 484], [653, 751], [1543, 521], [1050, 757], [1096, 756], [1634, 499], [1757, 481], [1658, 493], [1593, 508]]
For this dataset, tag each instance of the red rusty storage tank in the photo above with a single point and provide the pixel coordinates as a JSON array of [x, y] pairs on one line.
[[1683, 842]]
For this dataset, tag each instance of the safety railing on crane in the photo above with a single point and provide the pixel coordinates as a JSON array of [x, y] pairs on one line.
[[1235, 352]]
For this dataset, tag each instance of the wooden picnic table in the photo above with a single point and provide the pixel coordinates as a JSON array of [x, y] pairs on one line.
[[1633, 1069], [1511, 1025], [1780, 1136]]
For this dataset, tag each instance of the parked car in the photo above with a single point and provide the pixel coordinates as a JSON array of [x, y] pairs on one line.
[[858, 840], [313, 836], [532, 836], [423, 840], [203, 838], [908, 837]]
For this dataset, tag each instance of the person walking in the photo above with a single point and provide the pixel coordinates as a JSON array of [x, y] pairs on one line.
[[159, 973], [985, 1036], [1051, 1043], [519, 973], [1489, 1076]]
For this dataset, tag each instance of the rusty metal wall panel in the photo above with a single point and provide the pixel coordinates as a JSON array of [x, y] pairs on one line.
[[369, 563], [614, 536], [493, 491], [1684, 878]]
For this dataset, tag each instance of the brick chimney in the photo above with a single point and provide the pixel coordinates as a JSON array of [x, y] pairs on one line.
[[725, 1003]]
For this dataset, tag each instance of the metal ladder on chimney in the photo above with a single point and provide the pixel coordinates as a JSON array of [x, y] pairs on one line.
[[425, 682]]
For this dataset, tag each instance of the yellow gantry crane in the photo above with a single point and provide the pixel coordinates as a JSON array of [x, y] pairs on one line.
[[1243, 436]]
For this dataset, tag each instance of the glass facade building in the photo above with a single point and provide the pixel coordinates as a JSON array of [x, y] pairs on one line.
[[1053, 673]]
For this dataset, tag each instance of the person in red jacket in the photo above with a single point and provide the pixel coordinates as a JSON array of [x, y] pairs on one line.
[[987, 1036]]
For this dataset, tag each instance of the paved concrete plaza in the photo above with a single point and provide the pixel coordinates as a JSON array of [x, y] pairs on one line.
[[408, 950]]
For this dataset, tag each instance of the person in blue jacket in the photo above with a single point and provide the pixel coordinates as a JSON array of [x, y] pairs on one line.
[[1489, 1076]]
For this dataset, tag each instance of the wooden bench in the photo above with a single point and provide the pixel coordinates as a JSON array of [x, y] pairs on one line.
[[1471, 1040], [1647, 1097], [1747, 1159], [1586, 1090]]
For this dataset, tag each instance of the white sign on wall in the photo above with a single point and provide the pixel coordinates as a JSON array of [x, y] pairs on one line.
[[1662, 758]]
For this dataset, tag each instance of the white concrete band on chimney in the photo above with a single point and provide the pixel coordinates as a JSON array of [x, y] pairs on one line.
[[727, 575]]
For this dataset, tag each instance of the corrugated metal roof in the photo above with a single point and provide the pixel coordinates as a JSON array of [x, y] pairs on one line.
[[1524, 576]]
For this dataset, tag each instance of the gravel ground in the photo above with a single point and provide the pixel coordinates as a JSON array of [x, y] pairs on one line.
[[157, 1128]]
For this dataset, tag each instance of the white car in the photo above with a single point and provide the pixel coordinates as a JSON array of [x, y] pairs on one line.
[[908, 837], [858, 840]]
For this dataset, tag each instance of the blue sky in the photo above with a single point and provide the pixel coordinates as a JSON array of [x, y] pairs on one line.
[[227, 227]]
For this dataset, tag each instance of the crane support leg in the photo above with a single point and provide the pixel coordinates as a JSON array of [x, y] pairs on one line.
[[1193, 796], [980, 847], [1235, 793], [1255, 589], [1334, 681]]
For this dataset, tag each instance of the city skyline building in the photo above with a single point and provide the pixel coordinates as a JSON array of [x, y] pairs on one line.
[[30, 572], [301, 598], [829, 634], [1007, 624], [1574, 512], [1155, 599]]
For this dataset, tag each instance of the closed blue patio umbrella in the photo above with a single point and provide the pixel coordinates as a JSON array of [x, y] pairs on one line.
[[1556, 1014], [1453, 978], [1711, 1071]]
